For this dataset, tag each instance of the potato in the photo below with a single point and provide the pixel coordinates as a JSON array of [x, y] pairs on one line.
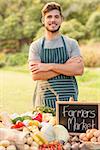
[[89, 135], [93, 139], [75, 139], [29, 140], [97, 133], [2, 148], [11, 147], [75, 146], [34, 144], [88, 130], [83, 147], [26, 147], [82, 135], [67, 146], [93, 130], [25, 140], [98, 139], [33, 148], [4, 143], [25, 129], [1, 125], [85, 138]]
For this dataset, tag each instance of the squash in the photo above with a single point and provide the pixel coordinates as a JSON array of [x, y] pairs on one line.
[[61, 133]]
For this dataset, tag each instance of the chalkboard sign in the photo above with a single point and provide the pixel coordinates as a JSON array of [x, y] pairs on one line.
[[78, 117]]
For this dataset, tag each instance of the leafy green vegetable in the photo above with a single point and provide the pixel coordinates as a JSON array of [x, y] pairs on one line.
[[17, 119], [44, 109]]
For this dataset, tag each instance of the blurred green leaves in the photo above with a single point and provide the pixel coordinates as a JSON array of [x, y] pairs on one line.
[[20, 21]]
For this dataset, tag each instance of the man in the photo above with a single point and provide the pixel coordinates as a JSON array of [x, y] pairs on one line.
[[54, 60]]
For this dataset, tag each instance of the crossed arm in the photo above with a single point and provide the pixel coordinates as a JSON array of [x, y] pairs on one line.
[[44, 71]]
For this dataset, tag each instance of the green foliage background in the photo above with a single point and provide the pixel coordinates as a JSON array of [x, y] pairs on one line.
[[20, 24]]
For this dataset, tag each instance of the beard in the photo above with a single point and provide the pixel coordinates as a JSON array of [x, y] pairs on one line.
[[53, 31]]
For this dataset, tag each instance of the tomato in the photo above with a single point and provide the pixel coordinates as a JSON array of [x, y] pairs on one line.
[[59, 147], [44, 146], [51, 146]]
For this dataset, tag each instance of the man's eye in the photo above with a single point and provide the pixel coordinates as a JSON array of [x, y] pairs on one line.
[[49, 16], [57, 16]]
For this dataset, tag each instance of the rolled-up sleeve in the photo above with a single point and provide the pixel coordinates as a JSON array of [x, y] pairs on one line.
[[33, 52], [75, 49]]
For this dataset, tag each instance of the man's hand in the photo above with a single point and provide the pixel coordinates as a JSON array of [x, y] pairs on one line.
[[72, 67], [76, 59], [41, 71], [39, 67]]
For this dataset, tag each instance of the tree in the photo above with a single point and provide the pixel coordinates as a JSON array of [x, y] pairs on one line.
[[11, 28], [93, 25], [74, 29]]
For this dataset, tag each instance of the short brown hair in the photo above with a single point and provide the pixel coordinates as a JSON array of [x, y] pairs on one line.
[[51, 6]]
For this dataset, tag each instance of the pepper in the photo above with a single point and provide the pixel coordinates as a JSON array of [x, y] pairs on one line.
[[17, 125], [38, 117]]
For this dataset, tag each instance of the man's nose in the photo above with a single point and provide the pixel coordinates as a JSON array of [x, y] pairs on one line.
[[53, 19]]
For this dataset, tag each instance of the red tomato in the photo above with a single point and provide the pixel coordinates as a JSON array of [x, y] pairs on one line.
[[59, 147]]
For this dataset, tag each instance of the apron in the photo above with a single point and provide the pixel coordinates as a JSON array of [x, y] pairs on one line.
[[60, 87]]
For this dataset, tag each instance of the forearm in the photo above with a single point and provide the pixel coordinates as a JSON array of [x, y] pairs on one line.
[[44, 71], [70, 69], [44, 75]]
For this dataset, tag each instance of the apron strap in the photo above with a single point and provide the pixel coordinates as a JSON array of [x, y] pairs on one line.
[[43, 41], [65, 46]]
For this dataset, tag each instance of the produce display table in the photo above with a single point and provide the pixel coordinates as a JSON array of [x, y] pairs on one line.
[[37, 130]]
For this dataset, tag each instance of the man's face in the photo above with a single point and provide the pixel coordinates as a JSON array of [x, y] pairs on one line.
[[52, 20]]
